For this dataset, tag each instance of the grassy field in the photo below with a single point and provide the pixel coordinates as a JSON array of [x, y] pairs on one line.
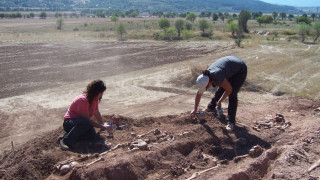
[[279, 63]]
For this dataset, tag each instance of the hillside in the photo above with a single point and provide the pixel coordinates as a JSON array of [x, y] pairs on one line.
[[154, 5], [178, 147]]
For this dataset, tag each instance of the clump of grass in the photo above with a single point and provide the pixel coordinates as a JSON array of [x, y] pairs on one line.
[[290, 33], [189, 79]]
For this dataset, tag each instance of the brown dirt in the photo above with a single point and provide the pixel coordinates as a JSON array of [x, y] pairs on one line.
[[184, 146]]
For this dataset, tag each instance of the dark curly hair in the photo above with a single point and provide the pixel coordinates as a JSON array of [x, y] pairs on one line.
[[93, 90]]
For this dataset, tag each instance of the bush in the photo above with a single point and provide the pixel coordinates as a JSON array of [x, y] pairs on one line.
[[238, 41], [188, 26], [185, 34], [290, 33], [76, 29], [156, 36], [168, 34]]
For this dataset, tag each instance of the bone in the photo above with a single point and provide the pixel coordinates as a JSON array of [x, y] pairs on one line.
[[97, 160], [196, 174], [140, 136], [238, 158], [270, 124], [314, 166], [59, 164]]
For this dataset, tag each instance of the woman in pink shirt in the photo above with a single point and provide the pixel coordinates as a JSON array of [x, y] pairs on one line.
[[77, 121]]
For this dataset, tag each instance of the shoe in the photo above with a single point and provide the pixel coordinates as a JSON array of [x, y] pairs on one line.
[[230, 127], [210, 109], [63, 146]]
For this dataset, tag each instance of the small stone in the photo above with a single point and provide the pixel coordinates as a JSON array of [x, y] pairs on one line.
[[192, 166], [156, 132]]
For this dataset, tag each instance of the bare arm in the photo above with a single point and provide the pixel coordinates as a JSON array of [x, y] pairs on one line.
[[228, 90], [196, 103], [98, 117], [85, 115]]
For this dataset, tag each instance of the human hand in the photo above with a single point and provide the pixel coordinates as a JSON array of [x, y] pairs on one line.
[[193, 113], [218, 105]]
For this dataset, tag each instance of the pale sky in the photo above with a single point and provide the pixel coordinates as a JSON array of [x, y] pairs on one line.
[[298, 3]]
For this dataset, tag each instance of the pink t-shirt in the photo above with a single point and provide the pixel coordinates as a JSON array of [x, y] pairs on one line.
[[81, 104]]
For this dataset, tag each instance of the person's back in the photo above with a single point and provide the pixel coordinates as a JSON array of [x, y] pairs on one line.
[[226, 67]]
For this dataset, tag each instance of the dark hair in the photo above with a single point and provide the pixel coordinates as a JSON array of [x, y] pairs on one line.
[[93, 90], [207, 73]]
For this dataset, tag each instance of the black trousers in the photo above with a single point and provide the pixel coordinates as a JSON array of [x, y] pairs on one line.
[[236, 82], [77, 130]]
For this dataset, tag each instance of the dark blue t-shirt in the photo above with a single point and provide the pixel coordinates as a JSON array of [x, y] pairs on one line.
[[225, 68]]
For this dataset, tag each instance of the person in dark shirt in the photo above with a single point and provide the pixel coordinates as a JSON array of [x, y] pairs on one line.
[[228, 74]]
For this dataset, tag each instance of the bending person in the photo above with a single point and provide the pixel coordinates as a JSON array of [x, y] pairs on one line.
[[77, 123], [228, 73]]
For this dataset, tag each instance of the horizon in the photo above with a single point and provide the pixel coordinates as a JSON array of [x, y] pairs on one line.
[[296, 3]]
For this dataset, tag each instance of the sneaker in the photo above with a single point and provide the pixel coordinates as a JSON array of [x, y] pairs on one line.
[[230, 127], [63, 146], [210, 109]]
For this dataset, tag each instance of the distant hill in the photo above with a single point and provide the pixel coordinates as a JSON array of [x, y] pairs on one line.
[[155, 5]]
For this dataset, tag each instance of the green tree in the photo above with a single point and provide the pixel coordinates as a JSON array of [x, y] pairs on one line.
[[226, 15], [313, 15], [230, 19], [303, 19], [121, 29], [316, 28], [31, 15], [233, 27], [59, 23], [260, 20], [235, 16], [191, 17], [244, 16], [43, 15], [208, 14], [164, 23], [179, 24], [275, 15], [203, 25], [283, 16], [188, 26], [303, 30], [215, 17], [57, 15], [221, 16], [267, 19], [291, 16], [114, 19]]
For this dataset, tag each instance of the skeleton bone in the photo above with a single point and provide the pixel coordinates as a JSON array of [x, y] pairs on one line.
[[112, 149], [97, 160], [59, 164], [196, 174], [270, 124], [314, 166], [140, 136], [238, 158]]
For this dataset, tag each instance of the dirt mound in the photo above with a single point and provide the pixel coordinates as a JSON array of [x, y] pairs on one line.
[[264, 145]]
